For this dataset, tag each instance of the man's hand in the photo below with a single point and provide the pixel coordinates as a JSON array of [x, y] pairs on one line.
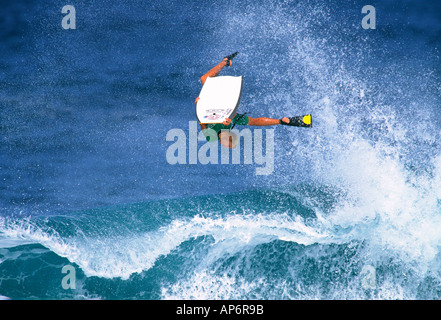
[[226, 122]]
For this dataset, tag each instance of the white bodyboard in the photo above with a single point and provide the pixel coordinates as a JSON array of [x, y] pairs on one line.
[[219, 99]]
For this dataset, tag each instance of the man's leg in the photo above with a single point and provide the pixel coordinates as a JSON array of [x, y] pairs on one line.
[[215, 71], [263, 121]]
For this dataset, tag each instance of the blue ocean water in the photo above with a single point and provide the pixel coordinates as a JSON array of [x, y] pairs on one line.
[[351, 211]]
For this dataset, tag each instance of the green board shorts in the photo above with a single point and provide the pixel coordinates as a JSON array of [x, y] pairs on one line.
[[213, 134]]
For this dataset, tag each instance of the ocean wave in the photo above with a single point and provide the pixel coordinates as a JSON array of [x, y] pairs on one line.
[[359, 194]]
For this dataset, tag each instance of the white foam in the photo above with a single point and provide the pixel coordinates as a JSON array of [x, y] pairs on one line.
[[9, 243], [206, 285], [111, 257]]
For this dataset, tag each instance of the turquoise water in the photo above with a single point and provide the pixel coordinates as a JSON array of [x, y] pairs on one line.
[[290, 243], [351, 211]]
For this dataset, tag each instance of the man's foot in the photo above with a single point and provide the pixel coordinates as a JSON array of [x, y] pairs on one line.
[[229, 58], [228, 62], [285, 120]]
